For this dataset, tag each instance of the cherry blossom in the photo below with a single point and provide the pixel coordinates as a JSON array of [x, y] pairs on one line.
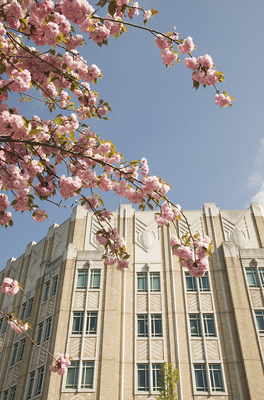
[[9, 286]]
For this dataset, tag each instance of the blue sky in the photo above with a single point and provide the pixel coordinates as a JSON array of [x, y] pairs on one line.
[[207, 154]]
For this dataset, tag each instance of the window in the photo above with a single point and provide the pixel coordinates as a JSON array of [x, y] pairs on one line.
[[48, 329], [82, 279], [21, 350], [156, 325], [4, 327], [190, 282], [87, 375], [91, 323], [72, 375], [54, 286], [30, 385], [12, 393], [200, 378], [77, 325], [261, 273], [46, 291], [95, 279], [195, 325], [39, 381], [154, 282], [23, 311], [216, 378], [29, 308], [40, 330], [156, 376], [142, 325], [260, 320], [142, 282], [5, 396], [209, 326], [204, 283], [252, 277], [14, 353], [143, 377]]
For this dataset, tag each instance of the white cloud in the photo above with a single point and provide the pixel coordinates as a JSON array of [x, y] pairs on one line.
[[260, 155], [259, 197], [255, 179]]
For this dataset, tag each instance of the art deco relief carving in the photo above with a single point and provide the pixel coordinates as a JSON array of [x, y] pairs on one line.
[[147, 236], [236, 231], [95, 226], [196, 227]]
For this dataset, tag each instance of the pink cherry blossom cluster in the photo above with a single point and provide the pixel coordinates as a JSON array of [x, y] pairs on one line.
[[203, 72], [168, 214], [186, 46], [18, 326], [196, 259], [165, 45], [116, 245], [62, 361], [39, 215], [9, 286], [222, 100]]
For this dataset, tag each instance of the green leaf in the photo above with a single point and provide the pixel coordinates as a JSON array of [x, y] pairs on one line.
[[196, 84], [101, 3], [112, 7], [154, 12]]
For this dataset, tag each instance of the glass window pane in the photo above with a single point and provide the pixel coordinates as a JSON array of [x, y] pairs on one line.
[[156, 376], [39, 381], [252, 277], [82, 279], [195, 324], [12, 393], [23, 311], [46, 291], [154, 282], [143, 377], [91, 323], [30, 386], [13, 359], [190, 282], [204, 283], [72, 375], [30, 303], [77, 325], [216, 378], [21, 349], [156, 325], [260, 320], [142, 325], [200, 378], [142, 282], [54, 286], [209, 326], [261, 273], [87, 375], [95, 279]]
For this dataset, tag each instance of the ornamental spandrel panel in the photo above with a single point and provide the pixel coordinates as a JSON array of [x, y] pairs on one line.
[[15, 374], [142, 302], [206, 302], [79, 300], [155, 302], [93, 300], [43, 309], [89, 347], [142, 350], [2, 341], [50, 306], [256, 298], [197, 349], [9, 377], [212, 350], [35, 357], [43, 354], [192, 302], [75, 347], [157, 352]]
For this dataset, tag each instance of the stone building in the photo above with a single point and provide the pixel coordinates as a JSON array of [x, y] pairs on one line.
[[119, 327]]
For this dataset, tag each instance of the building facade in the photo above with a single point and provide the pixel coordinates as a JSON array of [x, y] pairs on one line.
[[120, 326]]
